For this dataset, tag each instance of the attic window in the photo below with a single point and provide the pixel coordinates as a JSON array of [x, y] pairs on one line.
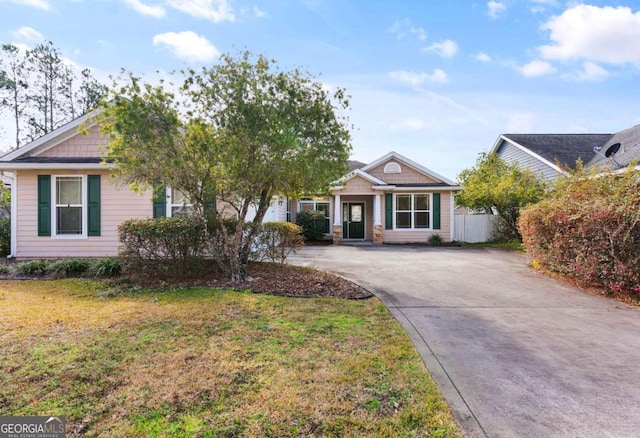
[[392, 167]]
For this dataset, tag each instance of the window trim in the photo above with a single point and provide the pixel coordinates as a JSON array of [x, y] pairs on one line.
[[412, 212], [54, 207], [315, 201], [170, 204]]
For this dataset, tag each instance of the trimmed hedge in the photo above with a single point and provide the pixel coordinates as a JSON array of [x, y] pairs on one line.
[[169, 246], [277, 240], [589, 230], [313, 224]]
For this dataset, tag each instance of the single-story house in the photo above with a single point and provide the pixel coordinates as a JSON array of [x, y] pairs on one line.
[[550, 154], [66, 204]]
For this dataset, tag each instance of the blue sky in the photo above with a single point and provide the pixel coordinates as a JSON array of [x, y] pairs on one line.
[[436, 81]]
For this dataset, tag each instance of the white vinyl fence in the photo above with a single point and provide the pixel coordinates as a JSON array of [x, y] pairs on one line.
[[472, 228]]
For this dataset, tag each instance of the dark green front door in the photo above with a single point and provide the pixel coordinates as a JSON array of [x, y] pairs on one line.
[[353, 220]]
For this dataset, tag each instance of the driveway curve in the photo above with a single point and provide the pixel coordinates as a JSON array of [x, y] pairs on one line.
[[516, 354]]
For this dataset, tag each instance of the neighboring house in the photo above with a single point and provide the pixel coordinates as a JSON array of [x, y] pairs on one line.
[[391, 200], [66, 204], [550, 154]]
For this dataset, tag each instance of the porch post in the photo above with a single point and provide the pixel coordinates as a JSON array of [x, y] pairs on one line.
[[337, 220], [377, 219]]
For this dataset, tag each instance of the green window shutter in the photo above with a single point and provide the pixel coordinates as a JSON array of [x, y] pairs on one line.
[[159, 202], [93, 205], [210, 207], [388, 211], [44, 205], [436, 211]]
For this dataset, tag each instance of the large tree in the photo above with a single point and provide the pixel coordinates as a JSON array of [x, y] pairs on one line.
[[40, 90], [496, 187], [241, 131]]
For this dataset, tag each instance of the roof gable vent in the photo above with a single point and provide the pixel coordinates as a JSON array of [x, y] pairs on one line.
[[392, 167]]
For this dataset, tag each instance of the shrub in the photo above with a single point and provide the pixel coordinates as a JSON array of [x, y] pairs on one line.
[[170, 246], [33, 268], [109, 267], [435, 240], [313, 223], [5, 236], [277, 240], [4, 269], [69, 267], [589, 230]]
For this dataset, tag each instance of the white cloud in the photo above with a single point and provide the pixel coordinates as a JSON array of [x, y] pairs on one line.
[[257, 12], [482, 57], [495, 9], [419, 33], [411, 124], [519, 123], [599, 34], [446, 48], [400, 27], [28, 34], [144, 9], [40, 4], [188, 46], [414, 79], [536, 68], [592, 72], [213, 10]]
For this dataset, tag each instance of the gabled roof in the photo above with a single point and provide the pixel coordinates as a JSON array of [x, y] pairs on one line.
[[417, 167], [554, 149], [47, 141], [629, 151], [359, 172]]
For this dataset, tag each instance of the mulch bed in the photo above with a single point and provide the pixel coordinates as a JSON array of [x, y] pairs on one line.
[[268, 278]]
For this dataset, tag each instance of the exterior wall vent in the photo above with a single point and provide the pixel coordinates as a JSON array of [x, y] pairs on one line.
[[392, 167]]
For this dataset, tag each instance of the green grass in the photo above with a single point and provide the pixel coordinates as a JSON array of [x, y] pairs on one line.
[[205, 362], [512, 245]]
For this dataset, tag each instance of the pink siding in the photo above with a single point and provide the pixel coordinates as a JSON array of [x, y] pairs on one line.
[[421, 236], [79, 145], [408, 175], [357, 185], [117, 205]]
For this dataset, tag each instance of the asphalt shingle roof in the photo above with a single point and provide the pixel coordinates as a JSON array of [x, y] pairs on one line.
[[565, 149]]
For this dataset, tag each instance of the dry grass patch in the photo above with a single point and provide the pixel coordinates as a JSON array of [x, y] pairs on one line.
[[206, 362]]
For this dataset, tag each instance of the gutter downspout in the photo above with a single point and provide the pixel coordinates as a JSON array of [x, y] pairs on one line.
[[14, 214]]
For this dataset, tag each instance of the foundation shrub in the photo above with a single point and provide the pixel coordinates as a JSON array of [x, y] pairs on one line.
[[107, 267], [277, 240], [5, 236], [588, 229], [165, 246], [313, 224], [33, 268], [69, 267]]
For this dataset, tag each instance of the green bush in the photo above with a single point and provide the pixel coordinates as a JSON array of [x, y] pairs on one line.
[[168, 246], [277, 240], [313, 223], [69, 267], [589, 230], [5, 236], [33, 268], [435, 240], [4, 269], [108, 267]]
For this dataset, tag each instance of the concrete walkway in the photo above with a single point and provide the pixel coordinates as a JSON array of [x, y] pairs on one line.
[[515, 354]]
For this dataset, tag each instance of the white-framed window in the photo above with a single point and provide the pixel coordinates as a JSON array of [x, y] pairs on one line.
[[179, 204], [317, 204], [70, 212], [412, 211]]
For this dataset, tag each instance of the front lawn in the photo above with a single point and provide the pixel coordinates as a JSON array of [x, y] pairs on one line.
[[209, 362]]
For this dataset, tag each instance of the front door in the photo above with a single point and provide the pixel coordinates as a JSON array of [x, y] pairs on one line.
[[353, 220]]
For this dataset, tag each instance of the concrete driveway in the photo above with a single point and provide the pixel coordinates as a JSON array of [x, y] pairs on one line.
[[515, 354]]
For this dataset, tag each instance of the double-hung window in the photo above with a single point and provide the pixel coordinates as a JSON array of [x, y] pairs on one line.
[[70, 205], [180, 204], [321, 204], [412, 211]]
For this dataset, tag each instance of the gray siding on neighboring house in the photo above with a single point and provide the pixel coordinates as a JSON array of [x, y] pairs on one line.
[[512, 154]]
